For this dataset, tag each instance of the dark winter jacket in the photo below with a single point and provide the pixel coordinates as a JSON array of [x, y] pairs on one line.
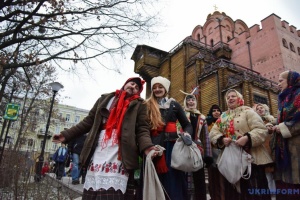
[[76, 145], [135, 131]]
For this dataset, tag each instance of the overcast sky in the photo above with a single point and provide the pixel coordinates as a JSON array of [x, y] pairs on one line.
[[180, 18]]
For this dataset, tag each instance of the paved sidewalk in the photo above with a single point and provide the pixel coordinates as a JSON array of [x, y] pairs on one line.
[[78, 189]]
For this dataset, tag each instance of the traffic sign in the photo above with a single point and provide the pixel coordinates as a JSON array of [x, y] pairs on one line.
[[12, 111]]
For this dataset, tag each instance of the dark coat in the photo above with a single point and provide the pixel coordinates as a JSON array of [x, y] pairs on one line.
[[135, 131], [76, 145]]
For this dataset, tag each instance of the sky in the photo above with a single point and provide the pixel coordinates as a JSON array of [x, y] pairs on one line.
[[180, 18]]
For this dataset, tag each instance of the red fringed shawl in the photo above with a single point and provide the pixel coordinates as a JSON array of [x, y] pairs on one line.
[[160, 162], [116, 116]]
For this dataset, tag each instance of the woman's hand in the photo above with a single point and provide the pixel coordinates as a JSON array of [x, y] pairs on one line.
[[226, 141], [270, 130], [242, 141], [157, 151], [276, 129]]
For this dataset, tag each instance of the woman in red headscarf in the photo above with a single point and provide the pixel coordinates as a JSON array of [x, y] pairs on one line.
[[240, 125]]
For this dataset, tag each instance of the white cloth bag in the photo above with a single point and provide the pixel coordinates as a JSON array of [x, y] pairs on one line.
[[153, 189], [186, 158], [234, 162]]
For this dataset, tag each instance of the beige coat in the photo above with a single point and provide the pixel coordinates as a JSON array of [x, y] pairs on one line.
[[246, 120]]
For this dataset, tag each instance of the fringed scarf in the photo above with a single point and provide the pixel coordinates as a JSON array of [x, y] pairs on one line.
[[289, 113], [116, 116], [160, 162]]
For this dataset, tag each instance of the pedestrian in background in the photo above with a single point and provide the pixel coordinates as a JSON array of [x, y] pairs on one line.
[[45, 169], [287, 137], [118, 128], [75, 148], [163, 115], [60, 157]]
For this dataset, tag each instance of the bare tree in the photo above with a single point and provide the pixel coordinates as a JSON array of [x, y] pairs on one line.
[[34, 99], [34, 32]]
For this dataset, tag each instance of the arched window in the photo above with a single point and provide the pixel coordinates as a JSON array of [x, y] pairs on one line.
[[240, 30], [198, 37], [228, 38], [298, 51], [284, 43], [212, 42], [228, 28], [292, 47], [210, 30]]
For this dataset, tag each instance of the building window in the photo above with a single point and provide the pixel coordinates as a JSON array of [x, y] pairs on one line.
[[68, 116], [260, 99], [42, 142], [37, 112], [284, 43], [228, 38], [210, 30], [240, 30], [57, 129], [77, 118], [9, 140], [22, 141], [198, 37], [30, 142], [33, 127], [212, 43], [54, 146], [228, 28], [292, 47]]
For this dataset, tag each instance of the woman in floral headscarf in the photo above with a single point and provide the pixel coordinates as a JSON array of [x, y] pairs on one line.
[[243, 126], [287, 135]]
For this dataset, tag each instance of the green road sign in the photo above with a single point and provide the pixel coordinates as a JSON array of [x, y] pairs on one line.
[[12, 111]]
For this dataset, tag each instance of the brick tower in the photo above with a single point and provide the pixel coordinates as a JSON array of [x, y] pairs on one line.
[[225, 54]]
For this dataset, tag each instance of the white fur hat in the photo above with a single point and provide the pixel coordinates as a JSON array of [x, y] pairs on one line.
[[159, 79]]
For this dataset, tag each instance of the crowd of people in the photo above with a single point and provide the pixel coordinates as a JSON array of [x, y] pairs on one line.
[[123, 128]]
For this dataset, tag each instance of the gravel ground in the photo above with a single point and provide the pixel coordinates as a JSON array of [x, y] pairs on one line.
[[46, 189]]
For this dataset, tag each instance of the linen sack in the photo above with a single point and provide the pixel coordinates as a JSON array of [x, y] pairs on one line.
[[235, 163], [186, 157]]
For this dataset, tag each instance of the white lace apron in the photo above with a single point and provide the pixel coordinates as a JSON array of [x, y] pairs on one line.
[[105, 170]]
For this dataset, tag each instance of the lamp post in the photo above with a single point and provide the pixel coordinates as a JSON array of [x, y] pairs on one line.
[[55, 88]]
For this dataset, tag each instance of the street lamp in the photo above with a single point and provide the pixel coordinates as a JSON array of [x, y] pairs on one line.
[[55, 88]]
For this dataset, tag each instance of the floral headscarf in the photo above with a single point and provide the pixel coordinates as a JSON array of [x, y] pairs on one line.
[[289, 114], [267, 109], [226, 121], [289, 100], [239, 95]]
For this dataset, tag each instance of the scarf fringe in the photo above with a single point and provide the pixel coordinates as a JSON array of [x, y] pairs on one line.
[[161, 165]]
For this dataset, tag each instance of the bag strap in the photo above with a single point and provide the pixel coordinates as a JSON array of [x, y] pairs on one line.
[[248, 170]]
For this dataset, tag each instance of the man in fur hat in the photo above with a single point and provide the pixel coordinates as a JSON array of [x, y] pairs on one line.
[[118, 131]]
